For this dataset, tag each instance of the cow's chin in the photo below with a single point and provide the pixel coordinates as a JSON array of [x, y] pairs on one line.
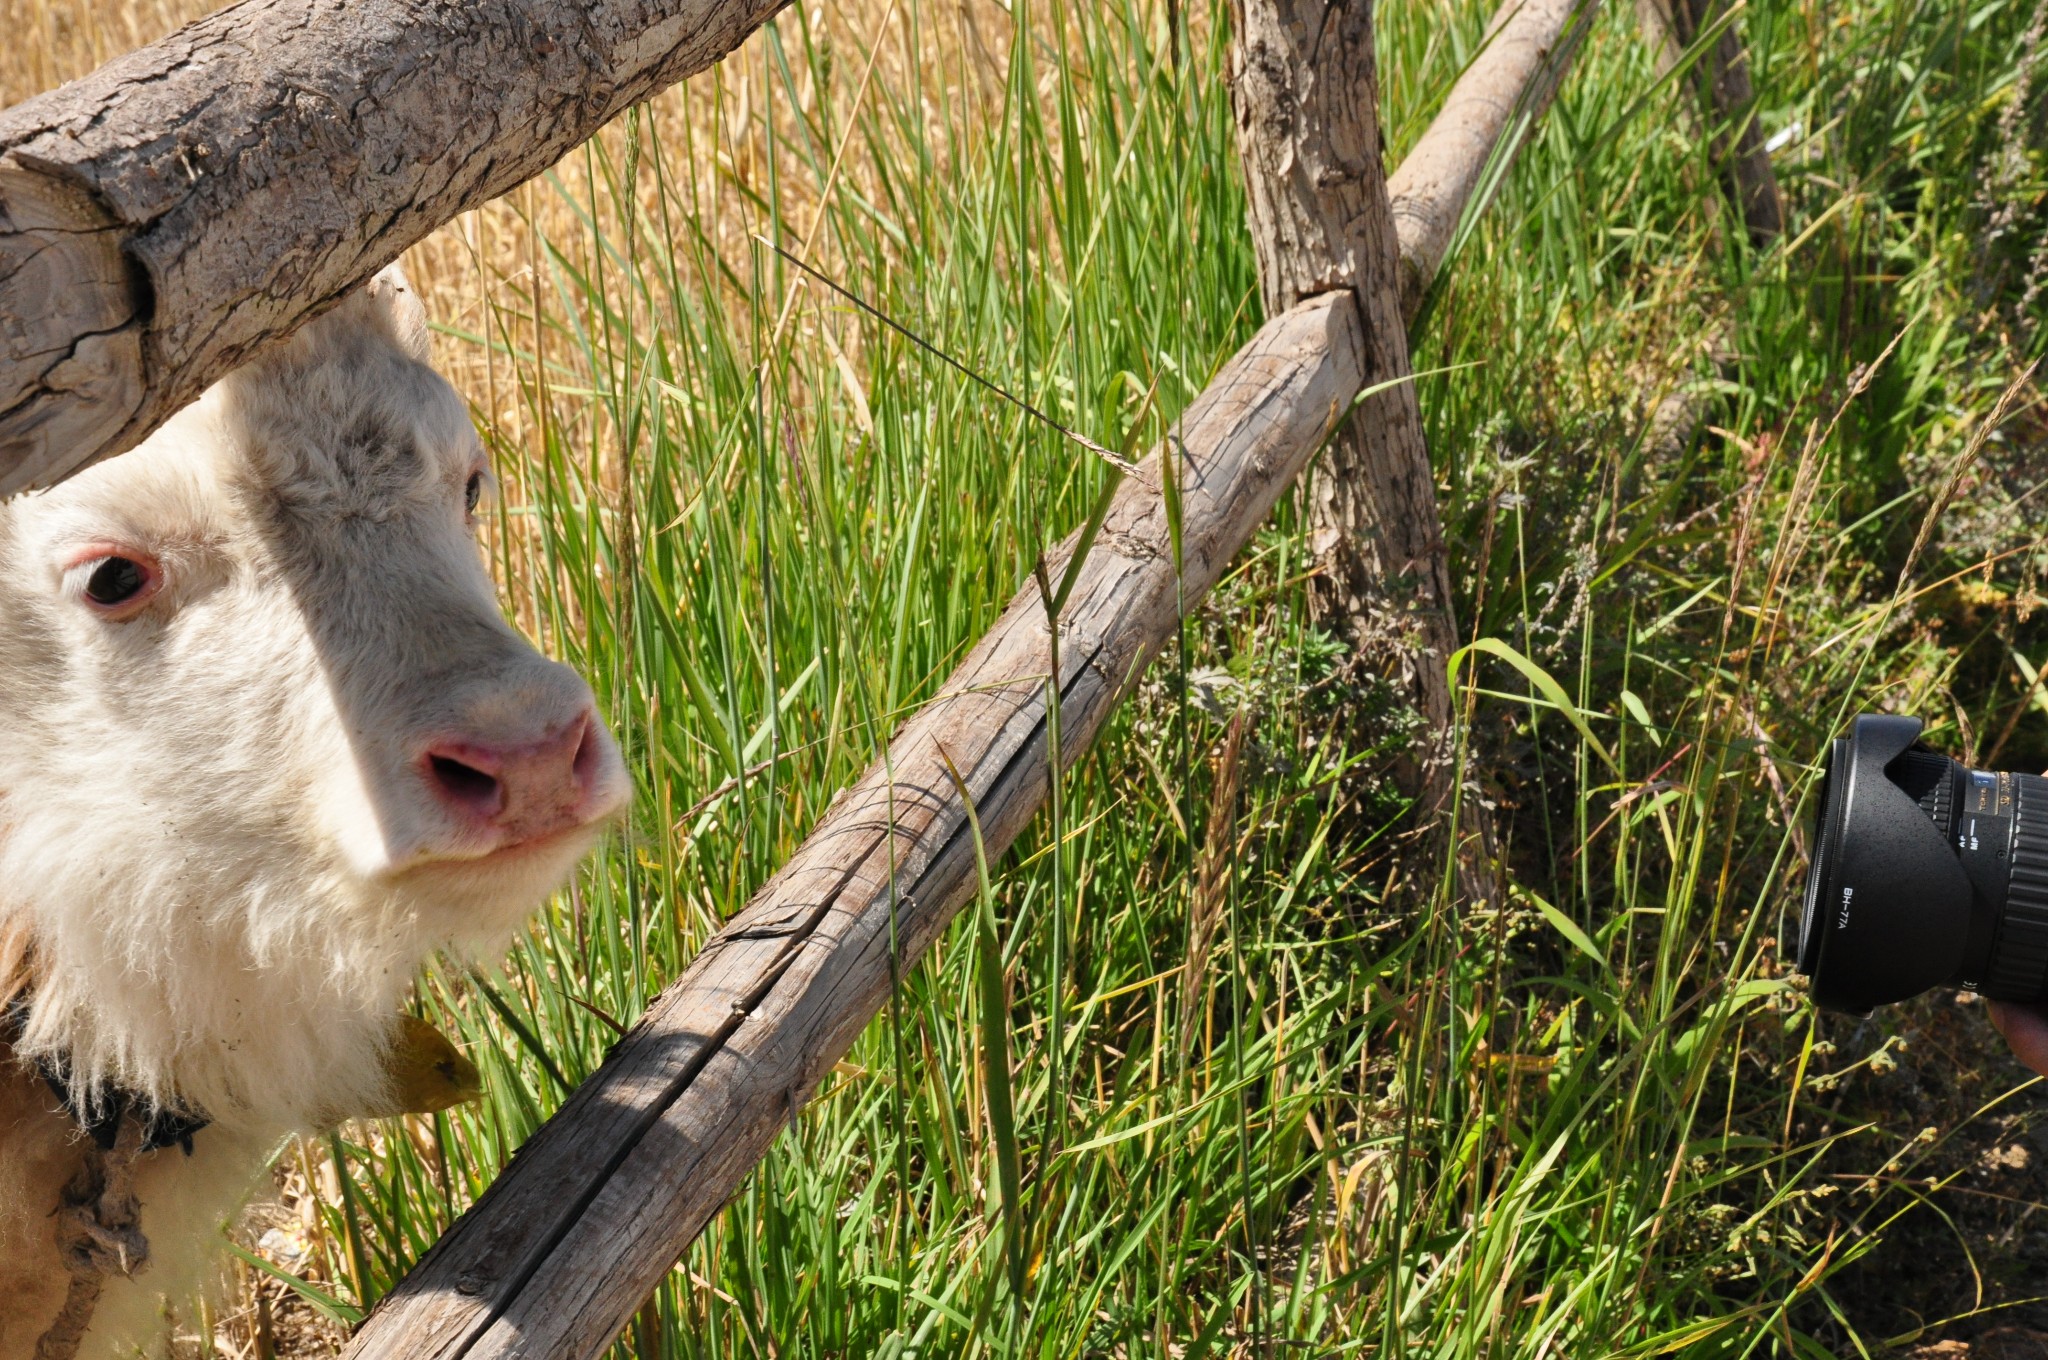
[[478, 896]]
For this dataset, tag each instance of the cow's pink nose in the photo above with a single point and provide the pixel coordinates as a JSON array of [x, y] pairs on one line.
[[520, 791]]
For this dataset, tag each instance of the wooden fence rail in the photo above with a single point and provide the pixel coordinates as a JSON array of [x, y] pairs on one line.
[[1529, 47], [166, 215], [557, 1255]]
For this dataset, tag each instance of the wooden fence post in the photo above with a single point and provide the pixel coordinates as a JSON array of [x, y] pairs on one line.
[[1307, 100], [1325, 216], [1307, 130]]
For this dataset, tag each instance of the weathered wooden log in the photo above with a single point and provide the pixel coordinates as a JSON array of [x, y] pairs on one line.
[[561, 1250], [1529, 48], [166, 215]]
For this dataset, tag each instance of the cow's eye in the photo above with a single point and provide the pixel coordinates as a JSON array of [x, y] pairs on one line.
[[116, 581], [473, 494]]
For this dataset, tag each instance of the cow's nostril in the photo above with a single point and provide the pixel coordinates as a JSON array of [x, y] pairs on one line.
[[520, 791], [466, 784], [584, 766]]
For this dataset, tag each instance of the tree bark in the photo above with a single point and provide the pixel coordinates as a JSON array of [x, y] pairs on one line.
[[1307, 99], [1324, 216], [561, 1250], [167, 215], [1729, 101]]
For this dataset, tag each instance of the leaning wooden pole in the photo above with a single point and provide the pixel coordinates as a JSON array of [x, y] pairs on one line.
[[558, 1254], [1529, 48], [178, 208]]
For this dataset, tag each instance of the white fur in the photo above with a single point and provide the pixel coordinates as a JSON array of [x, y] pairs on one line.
[[212, 821]]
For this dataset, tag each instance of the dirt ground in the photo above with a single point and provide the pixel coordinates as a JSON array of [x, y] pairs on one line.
[[1963, 1272]]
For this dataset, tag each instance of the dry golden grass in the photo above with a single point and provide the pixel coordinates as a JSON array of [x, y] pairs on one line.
[[52, 41]]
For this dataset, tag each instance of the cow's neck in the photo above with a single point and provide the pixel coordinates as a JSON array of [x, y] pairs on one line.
[[264, 1043]]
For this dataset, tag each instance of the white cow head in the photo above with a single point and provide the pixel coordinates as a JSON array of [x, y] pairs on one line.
[[266, 741]]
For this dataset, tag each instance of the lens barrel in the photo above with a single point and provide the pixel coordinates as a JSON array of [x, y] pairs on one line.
[[1925, 873]]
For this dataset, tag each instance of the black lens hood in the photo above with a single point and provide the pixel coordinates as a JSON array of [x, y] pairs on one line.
[[1888, 907]]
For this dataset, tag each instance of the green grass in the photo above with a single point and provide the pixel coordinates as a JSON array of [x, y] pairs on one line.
[[1210, 1067]]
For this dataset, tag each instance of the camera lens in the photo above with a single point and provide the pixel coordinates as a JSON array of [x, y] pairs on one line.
[[1925, 873]]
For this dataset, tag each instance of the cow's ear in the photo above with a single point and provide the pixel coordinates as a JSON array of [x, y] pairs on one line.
[[400, 309]]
